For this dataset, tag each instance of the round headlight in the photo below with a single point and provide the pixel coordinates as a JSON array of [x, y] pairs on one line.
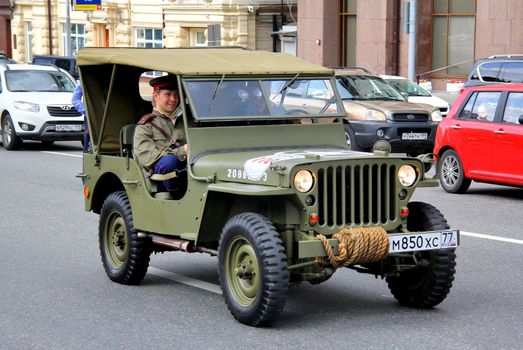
[[407, 175], [303, 181]]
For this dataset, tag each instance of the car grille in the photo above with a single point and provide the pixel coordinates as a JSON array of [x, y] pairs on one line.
[[357, 195], [58, 111], [410, 117]]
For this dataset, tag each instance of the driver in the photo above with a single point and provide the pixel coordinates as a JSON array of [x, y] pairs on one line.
[[159, 139]]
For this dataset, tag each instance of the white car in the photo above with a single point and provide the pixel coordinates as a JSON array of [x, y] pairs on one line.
[[416, 93], [35, 104]]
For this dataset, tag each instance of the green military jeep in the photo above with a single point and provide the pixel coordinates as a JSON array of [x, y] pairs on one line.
[[273, 190]]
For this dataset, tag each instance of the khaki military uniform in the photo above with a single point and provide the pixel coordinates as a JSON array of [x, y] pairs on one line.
[[150, 144]]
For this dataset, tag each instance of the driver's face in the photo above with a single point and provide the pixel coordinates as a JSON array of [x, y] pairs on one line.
[[166, 101]]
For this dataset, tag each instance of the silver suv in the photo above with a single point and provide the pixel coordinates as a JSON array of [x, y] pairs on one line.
[[496, 69]]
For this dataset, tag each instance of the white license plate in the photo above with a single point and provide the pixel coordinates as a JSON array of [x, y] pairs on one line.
[[68, 127], [414, 136], [413, 242]]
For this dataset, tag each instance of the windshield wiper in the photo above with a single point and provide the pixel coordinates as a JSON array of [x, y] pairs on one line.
[[286, 85], [215, 93]]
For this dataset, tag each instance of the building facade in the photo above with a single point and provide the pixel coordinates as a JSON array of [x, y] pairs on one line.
[[40, 26], [5, 27], [450, 35]]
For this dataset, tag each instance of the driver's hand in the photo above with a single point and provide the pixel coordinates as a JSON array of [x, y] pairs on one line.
[[186, 148]]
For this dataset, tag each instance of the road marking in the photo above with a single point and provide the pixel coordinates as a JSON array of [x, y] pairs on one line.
[[210, 287], [63, 154], [494, 238]]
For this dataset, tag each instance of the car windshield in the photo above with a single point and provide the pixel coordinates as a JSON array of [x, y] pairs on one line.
[[359, 87], [262, 99], [405, 85], [38, 81]]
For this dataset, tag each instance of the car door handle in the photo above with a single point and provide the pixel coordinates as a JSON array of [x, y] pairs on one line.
[[457, 127], [500, 132]]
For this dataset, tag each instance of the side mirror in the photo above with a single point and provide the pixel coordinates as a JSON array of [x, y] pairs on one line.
[[520, 120]]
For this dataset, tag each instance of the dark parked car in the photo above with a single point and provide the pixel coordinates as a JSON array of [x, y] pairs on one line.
[[481, 138], [496, 69], [66, 63], [377, 111]]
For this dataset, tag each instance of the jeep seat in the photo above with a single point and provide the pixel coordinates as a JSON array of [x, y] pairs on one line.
[[126, 150]]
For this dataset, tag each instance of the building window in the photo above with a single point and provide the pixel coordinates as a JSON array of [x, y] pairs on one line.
[[453, 36], [348, 32], [198, 37], [28, 41], [78, 38], [149, 38]]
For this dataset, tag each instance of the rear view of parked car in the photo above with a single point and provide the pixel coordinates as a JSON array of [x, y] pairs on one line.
[[482, 138], [416, 93], [377, 111], [35, 104]]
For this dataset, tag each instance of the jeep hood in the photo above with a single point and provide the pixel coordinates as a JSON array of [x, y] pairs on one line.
[[269, 167]]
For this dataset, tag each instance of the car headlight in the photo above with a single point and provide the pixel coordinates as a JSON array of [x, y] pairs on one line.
[[373, 114], [436, 116], [26, 106], [407, 175], [303, 181]]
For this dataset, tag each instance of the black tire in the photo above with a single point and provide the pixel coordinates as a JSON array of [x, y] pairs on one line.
[[252, 269], [428, 285], [125, 256], [10, 140], [350, 137], [451, 174]]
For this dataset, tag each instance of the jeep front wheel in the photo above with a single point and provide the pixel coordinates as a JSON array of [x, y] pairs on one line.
[[125, 256], [427, 284], [252, 269]]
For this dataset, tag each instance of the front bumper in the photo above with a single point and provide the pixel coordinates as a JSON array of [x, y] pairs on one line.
[[366, 135], [48, 132]]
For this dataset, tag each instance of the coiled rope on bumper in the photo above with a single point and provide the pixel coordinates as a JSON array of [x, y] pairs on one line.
[[356, 246]]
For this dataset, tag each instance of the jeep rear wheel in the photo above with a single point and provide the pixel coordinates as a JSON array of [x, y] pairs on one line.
[[427, 284], [10, 140], [125, 256], [252, 269]]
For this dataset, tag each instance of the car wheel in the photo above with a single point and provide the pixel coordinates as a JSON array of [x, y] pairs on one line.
[[125, 256], [252, 269], [10, 140], [427, 284], [350, 137], [451, 174]]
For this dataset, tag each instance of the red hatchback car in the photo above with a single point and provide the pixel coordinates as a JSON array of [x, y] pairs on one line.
[[481, 138]]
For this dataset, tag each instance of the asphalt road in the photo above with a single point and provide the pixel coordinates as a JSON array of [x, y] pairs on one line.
[[55, 294]]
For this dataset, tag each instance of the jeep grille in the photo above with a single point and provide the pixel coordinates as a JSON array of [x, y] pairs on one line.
[[60, 112], [357, 195]]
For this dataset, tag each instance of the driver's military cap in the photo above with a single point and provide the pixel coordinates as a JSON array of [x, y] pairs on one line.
[[167, 82]]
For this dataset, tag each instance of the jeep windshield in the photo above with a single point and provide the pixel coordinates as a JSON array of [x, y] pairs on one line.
[[360, 87], [223, 99], [38, 81]]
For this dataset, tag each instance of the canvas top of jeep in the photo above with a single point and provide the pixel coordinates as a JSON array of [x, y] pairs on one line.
[[273, 192]]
